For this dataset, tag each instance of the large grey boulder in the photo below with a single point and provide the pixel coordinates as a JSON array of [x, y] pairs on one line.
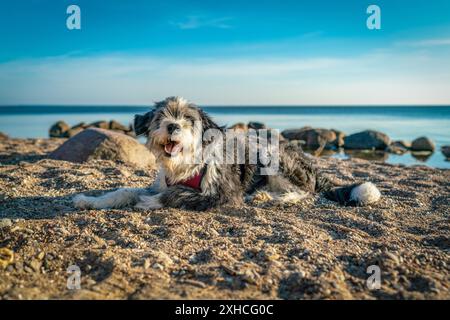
[[369, 139], [423, 144], [95, 143]]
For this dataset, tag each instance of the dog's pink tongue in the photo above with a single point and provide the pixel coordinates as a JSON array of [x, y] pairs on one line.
[[169, 147], [172, 148]]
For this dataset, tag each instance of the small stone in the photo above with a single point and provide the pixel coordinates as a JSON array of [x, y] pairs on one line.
[[158, 266], [35, 265], [41, 255], [193, 259], [213, 232], [146, 263]]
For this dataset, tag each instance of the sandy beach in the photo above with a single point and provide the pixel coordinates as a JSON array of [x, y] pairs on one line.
[[313, 250]]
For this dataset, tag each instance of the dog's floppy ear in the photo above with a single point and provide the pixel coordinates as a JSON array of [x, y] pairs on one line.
[[207, 122], [142, 123]]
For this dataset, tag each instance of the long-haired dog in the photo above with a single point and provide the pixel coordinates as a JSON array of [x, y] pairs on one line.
[[175, 129]]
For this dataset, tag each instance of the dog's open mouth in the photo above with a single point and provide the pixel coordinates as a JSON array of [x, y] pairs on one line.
[[172, 148]]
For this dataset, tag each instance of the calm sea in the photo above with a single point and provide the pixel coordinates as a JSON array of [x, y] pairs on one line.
[[405, 123]]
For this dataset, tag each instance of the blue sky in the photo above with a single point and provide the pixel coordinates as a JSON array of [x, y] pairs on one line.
[[225, 52]]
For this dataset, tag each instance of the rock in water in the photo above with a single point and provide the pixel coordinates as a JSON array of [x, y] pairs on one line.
[[114, 125], [99, 124], [59, 129], [239, 126], [423, 144], [446, 151], [398, 147], [95, 143], [314, 138], [402, 143], [256, 125], [368, 139]]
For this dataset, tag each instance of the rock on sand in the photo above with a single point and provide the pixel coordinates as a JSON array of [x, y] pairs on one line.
[[95, 143]]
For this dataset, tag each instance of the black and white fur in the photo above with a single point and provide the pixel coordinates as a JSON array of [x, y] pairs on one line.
[[221, 183]]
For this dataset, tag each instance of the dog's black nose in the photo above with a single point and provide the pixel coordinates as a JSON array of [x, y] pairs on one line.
[[173, 127]]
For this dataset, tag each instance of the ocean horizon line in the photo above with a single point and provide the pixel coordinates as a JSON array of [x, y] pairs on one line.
[[234, 105]]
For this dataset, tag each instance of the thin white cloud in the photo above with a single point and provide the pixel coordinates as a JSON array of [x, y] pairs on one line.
[[196, 22], [423, 43], [379, 78]]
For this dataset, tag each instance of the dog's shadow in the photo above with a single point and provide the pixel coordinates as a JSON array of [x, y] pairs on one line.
[[45, 207]]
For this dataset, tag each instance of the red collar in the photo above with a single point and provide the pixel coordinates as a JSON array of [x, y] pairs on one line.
[[193, 182]]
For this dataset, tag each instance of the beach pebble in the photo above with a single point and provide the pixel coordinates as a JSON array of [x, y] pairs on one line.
[[146, 264], [423, 144], [158, 266], [35, 265]]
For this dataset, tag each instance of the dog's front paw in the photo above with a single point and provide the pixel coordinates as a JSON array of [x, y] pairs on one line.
[[81, 201], [149, 203]]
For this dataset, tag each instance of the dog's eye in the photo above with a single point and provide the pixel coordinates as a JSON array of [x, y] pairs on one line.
[[190, 120]]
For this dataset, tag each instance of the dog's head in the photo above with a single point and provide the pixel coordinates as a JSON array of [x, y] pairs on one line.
[[174, 128]]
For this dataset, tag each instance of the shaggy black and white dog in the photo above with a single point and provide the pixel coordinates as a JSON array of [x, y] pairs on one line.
[[175, 131]]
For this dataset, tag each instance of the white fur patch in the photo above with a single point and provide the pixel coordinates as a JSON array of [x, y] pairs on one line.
[[365, 193], [292, 197], [111, 200], [81, 201], [286, 197], [149, 203]]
